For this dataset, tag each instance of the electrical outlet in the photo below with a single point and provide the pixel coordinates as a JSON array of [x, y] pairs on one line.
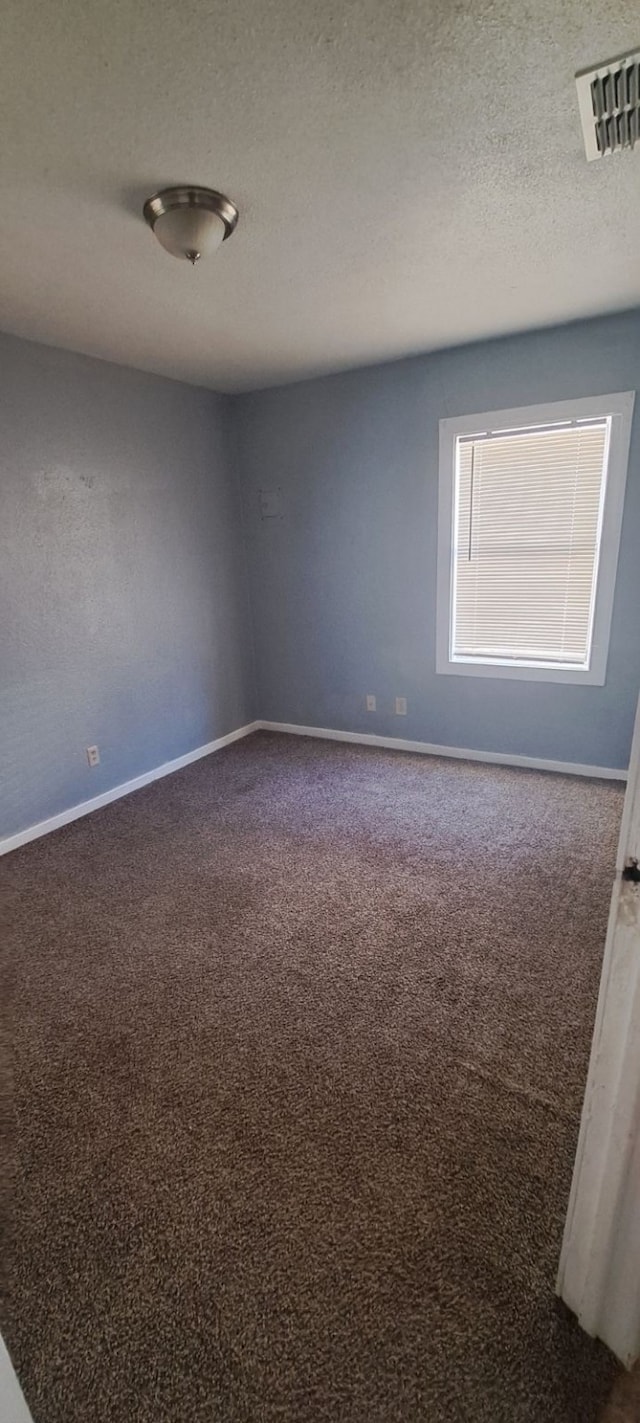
[[371, 702], [401, 706], [270, 503], [93, 755]]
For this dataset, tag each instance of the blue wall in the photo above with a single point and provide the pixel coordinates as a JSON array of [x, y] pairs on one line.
[[343, 581], [122, 578], [123, 567]]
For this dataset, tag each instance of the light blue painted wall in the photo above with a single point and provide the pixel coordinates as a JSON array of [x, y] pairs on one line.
[[343, 583], [124, 616], [123, 588]]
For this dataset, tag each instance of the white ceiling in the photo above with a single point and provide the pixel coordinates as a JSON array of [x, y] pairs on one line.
[[410, 174]]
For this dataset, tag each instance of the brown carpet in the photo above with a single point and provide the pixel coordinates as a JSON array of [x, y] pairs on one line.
[[301, 1036]]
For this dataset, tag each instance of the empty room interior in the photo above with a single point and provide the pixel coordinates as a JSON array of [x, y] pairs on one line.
[[319, 672]]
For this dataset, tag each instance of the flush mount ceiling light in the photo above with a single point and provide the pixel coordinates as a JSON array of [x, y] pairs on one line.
[[190, 222]]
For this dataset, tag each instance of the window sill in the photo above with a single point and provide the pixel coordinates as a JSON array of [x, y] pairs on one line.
[[593, 676]]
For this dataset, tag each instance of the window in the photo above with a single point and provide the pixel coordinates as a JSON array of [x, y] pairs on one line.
[[529, 526]]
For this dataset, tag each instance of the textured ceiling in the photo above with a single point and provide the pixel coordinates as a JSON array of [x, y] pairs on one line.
[[409, 175]]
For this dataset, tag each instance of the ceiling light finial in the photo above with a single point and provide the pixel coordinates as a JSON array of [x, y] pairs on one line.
[[190, 222]]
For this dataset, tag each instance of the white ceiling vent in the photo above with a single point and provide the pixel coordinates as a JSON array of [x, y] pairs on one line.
[[609, 99]]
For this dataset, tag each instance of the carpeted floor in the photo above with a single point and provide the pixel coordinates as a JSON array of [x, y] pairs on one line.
[[301, 1036]]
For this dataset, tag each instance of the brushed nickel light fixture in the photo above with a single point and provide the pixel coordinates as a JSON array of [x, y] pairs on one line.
[[190, 222]]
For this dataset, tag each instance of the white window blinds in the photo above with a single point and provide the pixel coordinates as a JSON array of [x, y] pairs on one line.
[[527, 519]]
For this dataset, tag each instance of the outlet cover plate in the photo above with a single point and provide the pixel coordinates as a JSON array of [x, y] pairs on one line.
[[270, 503]]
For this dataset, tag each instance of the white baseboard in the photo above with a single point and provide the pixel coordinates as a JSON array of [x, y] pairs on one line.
[[425, 748], [361, 738], [44, 827]]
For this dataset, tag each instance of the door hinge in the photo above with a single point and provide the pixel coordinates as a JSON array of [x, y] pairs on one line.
[[631, 871]]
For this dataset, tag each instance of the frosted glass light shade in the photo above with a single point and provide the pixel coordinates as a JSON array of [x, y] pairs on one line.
[[189, 232], [190, 222]]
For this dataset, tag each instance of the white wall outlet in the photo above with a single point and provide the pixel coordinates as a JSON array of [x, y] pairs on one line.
[[371, 702], [270, 503], [93, 755], [401, 706]]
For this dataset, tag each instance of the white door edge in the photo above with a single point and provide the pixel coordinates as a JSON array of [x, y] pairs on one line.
[[13, 1408], [600, 1261]]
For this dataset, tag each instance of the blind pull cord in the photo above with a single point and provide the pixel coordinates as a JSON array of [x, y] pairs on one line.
[[471, 482]]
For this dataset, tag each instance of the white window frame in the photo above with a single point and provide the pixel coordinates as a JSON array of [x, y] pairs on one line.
[[620, 408]]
